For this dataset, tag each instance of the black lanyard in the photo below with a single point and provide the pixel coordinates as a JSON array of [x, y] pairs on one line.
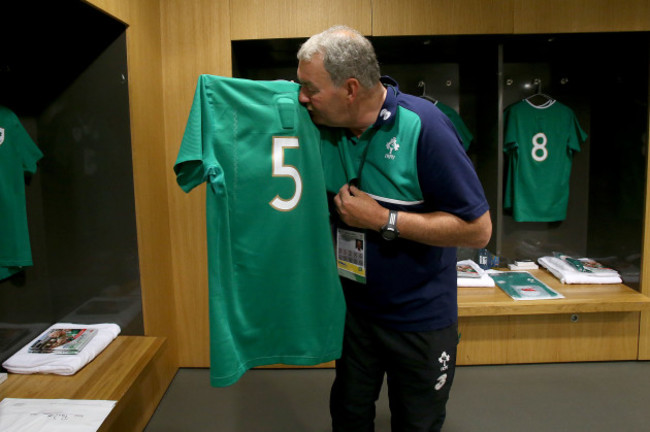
[[356, 181]]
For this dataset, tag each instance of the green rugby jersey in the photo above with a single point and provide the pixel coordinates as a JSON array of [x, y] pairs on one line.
[[18, 156], [275, 296], [540, 142], [465, 135]]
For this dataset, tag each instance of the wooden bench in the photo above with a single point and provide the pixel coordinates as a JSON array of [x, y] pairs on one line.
[[578, 299], [135, 371], [592, 323]]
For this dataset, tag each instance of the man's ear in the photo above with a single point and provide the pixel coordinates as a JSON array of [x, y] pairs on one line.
[[351, 87]]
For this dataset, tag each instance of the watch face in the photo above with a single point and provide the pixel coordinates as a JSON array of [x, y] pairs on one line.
[[389, 234]]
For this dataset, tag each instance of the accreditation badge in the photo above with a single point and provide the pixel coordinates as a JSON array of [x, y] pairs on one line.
[[351, 254]]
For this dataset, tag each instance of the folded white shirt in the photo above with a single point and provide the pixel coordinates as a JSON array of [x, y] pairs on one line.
[[567, 274], [53, 415], [469, 282], [24, 362]]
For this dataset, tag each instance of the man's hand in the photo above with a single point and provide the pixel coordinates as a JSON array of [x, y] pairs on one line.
[[358, 209]]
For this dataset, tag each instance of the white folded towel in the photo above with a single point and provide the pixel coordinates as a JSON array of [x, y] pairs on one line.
[[24, 362], [568, 274], [469, 282]]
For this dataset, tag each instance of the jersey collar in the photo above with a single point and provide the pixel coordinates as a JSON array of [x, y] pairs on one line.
[[388, 111]]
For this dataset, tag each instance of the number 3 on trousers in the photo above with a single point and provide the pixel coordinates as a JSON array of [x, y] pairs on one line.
[[282, 170]]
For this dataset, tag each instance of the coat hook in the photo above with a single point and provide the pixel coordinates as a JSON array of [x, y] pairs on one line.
[[424, 87]]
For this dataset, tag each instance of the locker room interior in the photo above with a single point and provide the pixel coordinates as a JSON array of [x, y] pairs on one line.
[[108, 225], [480, 76]]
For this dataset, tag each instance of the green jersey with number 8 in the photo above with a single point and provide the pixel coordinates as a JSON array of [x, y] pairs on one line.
[[540, 142], [275, 296]]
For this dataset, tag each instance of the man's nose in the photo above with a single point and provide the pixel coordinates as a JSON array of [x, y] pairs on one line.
[[302, 97]]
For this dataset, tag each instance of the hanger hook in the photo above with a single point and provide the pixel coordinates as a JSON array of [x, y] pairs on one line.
[[424, 87]]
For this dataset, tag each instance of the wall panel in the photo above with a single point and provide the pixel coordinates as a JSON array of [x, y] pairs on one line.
[[644, 332], [266, 19], [577, 16], [149, 163], [439, 17], [195, 40]]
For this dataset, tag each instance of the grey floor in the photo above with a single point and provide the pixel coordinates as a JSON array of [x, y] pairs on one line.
[[594, 397]]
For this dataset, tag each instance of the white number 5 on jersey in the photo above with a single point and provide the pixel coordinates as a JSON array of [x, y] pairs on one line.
[[282, 170]]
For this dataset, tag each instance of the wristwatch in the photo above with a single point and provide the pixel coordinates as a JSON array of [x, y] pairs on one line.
[[390, 231]]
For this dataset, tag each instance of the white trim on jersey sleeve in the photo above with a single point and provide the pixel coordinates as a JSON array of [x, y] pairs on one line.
[[394, 201]]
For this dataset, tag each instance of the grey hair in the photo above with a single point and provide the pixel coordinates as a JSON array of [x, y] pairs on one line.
[[346, 54]]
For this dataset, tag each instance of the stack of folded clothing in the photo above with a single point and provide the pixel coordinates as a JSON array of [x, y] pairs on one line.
[[50, 358], [579, 270], [470, 274], [523, 265]]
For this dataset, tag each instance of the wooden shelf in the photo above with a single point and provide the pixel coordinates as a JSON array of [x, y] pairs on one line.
[[132, 370], [578, 299]]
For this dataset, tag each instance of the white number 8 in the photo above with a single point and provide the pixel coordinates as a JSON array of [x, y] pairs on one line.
[[282, 170], [539, 146]]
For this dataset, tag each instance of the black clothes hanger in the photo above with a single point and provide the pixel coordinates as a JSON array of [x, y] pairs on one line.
[[539, 99], [424, 93]]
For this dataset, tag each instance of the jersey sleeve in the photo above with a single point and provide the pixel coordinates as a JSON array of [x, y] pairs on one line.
[[509, 190], [447, 177], [196, 163], [464, 133], [29, 152], [577, 136], [509, 147], [31, 155]]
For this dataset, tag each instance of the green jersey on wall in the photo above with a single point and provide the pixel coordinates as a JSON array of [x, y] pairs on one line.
[[18, 157], [540, 142]]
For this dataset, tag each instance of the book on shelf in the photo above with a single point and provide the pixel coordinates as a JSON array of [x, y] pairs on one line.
[[465, 269], [524, 286], [523, 265], [66, 341], [587, 265]]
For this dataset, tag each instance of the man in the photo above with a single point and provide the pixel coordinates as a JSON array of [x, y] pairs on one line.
[[404, 185]]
